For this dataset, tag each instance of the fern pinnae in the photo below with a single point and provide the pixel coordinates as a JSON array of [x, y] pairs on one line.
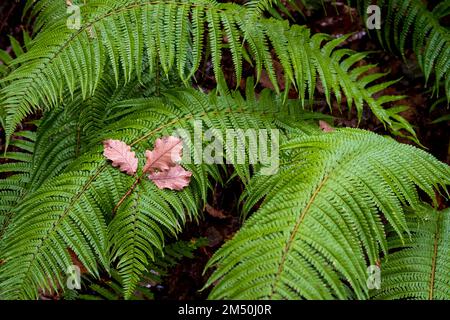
[[215, 40], [276, 34], [418, 268], [234, 43], [182, 42], [13, 188], [158, 27], [323, 201], [411, 19], [197, 42], [90, 185], [96, 41]]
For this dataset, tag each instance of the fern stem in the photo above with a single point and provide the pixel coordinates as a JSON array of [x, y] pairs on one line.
[[158, 81], [294, 233], [128, 193], [78, 145], [55, 225], [433, 263]]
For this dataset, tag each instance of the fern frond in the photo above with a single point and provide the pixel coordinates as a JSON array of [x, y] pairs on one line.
[[419, 268], [46, 12], [321, 217], [102, 214], [122, 33], [17, 167], [173, 253], [410, 21], [258, 7]]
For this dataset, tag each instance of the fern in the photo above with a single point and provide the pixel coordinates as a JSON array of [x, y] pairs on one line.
[[173, 253], [258, 7], [18, 167], [112, 289], [320, 220], [7, 62], [418, 269], [407, 20], [77, 208], [61, 137], [321, 217], [124, 33]]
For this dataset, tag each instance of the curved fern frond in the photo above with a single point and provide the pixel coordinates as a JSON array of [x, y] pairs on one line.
[[321, 217], [66, 132], [46, 12], [62, 135], [257, 7], [112, 289], [419, 268], [17, 167], [410, 20], [103, 215], [125, 34]]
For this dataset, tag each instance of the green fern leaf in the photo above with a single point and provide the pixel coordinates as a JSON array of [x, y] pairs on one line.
[[320, 217], [418, 267], [118, 35]]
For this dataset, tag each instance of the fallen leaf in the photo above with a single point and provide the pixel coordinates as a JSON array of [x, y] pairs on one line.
[[214, 237], [76, 261], [213, 212], [166, 154], [325, 126], [121, 156], [265, 80], [175, 178]]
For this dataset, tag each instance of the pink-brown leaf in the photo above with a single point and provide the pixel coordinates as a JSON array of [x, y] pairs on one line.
[[121, 155], [166, 154], [325, 126], [216, 213], [175, 178]]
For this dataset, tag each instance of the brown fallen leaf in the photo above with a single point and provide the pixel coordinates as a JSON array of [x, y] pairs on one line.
[[213, 212], [76, 261], [121, 156], [166, 154], [175, 178], [214, 236], [325, 126], [265, 80]]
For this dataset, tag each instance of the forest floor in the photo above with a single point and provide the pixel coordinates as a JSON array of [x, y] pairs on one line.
[[221, 217]]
